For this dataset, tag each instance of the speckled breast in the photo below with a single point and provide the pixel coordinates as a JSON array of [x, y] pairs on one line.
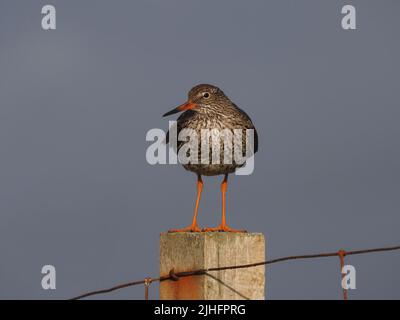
[[220, 139]]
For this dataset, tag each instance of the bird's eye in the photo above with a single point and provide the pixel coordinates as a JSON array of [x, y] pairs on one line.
[[206, 95]]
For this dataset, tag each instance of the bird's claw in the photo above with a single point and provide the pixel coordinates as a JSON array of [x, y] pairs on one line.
[[187, 229], [222, 228]]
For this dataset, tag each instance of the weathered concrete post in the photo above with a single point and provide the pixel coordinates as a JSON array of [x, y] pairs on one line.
[[198, 250]]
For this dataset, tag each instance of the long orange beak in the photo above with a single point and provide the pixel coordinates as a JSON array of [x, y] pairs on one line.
[[186, 106]]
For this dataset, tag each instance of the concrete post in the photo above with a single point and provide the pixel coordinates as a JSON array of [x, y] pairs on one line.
[[198, 250]]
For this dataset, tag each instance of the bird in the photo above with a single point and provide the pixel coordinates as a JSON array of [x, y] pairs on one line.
[[207, 107]]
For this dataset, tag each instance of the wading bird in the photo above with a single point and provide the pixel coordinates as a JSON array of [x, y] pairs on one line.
[[209, 108]]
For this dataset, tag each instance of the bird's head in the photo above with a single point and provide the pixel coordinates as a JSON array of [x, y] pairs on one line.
[[202, 98]]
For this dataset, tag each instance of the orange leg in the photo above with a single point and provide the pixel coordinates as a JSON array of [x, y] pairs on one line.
[[193, 227], [223, 226]]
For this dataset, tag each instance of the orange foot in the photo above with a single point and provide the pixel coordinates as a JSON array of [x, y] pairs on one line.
[[222, 228], [191, 228]]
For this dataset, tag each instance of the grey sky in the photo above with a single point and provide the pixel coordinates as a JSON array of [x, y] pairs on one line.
[[76, 103]]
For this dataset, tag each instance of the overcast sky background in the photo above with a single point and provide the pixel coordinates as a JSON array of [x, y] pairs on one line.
[[76, 104]]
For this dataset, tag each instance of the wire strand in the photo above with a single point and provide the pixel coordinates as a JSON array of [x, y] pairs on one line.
[[175, 276]]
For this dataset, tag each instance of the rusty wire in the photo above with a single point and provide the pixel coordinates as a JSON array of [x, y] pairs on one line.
[[342, 254], [175, 276], [147, 282]]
